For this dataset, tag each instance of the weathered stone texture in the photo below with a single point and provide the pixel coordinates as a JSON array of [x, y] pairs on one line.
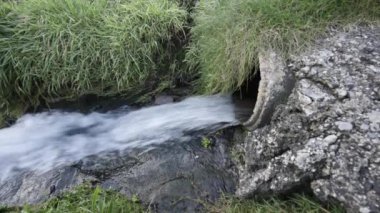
[[327, 135], [174, 177]]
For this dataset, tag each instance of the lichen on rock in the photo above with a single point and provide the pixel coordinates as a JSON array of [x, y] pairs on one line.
[[326, 136]]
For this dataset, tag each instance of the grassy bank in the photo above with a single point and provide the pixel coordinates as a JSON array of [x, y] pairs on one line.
[[296, 204], [228, 34], [85, 199], [66, 48]]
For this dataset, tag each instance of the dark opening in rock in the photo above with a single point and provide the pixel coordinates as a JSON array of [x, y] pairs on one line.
[[245, 98]]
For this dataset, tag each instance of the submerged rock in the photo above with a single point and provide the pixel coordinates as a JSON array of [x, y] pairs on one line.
[[326, 136]]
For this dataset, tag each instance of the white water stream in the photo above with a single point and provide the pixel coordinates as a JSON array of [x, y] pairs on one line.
[[42, 141]]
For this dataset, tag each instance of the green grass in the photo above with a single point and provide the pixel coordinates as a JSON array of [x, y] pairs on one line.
[[85, 199], [66, 48], [297, 204], [228, 34]]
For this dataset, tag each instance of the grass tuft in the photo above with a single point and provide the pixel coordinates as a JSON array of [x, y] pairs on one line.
[[228, 34], [299, 203], [84, 199], [66, 48]]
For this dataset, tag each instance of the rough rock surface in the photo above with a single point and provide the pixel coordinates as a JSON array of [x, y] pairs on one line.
[[327, 135], [174, 177]]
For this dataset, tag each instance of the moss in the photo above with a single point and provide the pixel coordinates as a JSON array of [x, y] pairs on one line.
[[206, 143]]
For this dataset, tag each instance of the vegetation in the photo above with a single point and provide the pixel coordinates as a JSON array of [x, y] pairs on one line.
[[297, 204], [85, 199], [228, 34], [206, 143], [66, 48]]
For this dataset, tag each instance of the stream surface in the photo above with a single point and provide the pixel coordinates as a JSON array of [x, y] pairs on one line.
[[43, 141]]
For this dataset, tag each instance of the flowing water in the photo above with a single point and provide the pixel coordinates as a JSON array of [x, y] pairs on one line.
[[42, 141]]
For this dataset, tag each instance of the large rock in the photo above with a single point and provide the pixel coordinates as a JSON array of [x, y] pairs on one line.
[[327, 135], [173, 177]]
